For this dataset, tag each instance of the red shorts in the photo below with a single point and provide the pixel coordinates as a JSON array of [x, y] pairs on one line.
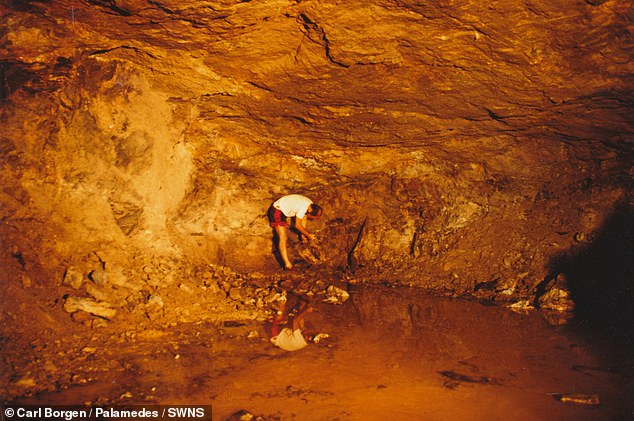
[[277, 218]]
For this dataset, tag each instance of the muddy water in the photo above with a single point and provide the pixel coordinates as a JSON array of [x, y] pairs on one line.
[[391, 354]]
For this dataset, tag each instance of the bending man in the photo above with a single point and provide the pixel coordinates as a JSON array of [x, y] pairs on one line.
[[298, 208]]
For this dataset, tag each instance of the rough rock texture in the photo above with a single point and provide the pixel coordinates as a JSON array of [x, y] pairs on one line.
[[458, 146]]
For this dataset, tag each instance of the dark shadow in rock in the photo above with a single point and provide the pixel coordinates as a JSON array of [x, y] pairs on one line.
[[14, 76], [601, 277]]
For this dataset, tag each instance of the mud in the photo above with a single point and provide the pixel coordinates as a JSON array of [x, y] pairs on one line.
[[392, 353]]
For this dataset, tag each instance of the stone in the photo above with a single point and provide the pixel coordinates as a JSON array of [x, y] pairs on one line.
[[319, 337], [26, 382], [521, 306], [99, 277], [155, 301], [73, 277], [244, 415], [185, 288], [462, 215], [309, 252], [154, 307], [556, 296], [336, 295], [555, 301], [96, 292], [236, 294], [117, 277], [82, 317], [578, 398], [88, 305]]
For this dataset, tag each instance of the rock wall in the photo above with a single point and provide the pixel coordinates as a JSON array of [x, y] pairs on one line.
[[451, 145]]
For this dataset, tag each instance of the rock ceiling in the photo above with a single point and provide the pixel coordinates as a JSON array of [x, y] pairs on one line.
[[339, 75]]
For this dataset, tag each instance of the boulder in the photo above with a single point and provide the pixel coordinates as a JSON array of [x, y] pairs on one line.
[[88, 305]]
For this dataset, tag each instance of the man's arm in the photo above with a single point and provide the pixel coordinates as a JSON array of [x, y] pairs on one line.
[[300, 224], [298, 320]]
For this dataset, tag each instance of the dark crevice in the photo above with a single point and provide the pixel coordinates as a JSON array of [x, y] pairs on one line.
[[112, 6], [124, 47], [600, 277], [311, 27], [161, 7]]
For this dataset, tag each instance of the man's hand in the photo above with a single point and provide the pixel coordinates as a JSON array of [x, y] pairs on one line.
[[306, 238]]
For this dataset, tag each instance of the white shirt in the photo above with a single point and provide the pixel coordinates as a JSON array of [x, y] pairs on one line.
[[290, 340], [293, 205]]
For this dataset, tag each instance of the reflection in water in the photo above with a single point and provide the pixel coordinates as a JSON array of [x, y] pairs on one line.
[[390, 354]]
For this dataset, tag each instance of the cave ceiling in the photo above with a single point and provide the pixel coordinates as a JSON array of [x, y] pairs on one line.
[[332, 74]]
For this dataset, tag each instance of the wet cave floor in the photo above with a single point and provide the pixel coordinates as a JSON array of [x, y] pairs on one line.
[[392, 353]]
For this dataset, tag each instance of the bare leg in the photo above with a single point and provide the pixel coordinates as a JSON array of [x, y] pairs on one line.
[[283, 239]]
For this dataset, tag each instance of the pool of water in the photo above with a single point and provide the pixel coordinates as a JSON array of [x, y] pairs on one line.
[[391, 354]]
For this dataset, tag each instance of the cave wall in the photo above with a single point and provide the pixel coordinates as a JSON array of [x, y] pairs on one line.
[[460, 143]]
